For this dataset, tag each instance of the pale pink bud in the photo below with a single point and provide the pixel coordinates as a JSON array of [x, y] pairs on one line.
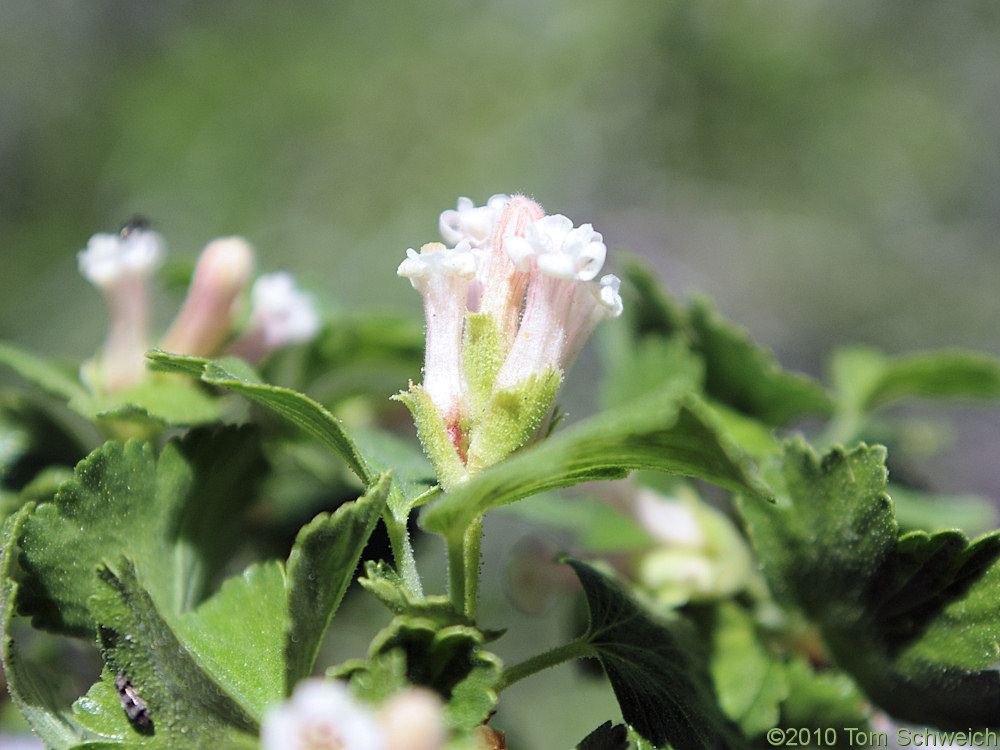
[[207, 316], [121, 265], [413, 720], [503, 283]]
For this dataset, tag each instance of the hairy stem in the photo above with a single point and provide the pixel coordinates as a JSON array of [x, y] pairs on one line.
[[577, 649]]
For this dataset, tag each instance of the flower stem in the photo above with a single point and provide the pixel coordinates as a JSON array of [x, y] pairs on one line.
[[577, 649], [402, 551], [472, 547]]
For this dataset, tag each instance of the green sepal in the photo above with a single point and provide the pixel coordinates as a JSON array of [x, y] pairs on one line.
[[448, 659], [511, 418], [434, 436], [482, 356]]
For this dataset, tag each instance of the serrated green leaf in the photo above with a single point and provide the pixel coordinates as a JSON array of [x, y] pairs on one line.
[[866, 379], [171, 515], [750, 682], [913, 619], [320, 568], [299, 409], [745, 375], [656, 667], [637, 367], [32, 696], [238, 637], [669, 431], [186, 708]]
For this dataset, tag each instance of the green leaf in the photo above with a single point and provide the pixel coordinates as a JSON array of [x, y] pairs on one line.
[[745, 375], [159, 398], [245, 623], [320, 568], [750, 682], [608, 736], [656, 667], [44, 374], [669, 431], [173, 516], [865, 379], [914, 619], [33, 697], [825, 698], [186, 707], [299, 409]]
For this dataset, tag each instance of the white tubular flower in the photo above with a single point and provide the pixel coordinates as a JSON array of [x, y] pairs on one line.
[[562, 305], [413, 720], [280, 314], [321, 715], [207, 316], [443, 275], [552, 245], [121, 266], [470, 222]]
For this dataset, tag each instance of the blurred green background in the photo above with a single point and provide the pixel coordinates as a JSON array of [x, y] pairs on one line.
[[828, 170]]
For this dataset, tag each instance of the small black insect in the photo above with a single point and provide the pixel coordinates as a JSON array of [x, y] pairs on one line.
[[135, 224], [134, 706]]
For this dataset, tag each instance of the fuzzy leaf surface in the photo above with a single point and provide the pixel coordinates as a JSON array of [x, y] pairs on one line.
[[320, 568], [124, 501], [186, 707], [915, 619]]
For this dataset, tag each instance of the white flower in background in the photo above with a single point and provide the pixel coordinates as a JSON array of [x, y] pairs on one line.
[[280, 314], [121, 266], [413, 720], [507, 311], [699, 553], [207, 316], [321, 715]]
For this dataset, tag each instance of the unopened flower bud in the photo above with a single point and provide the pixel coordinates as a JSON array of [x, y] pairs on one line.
[[413, 720], [209, 311], [321, 715]]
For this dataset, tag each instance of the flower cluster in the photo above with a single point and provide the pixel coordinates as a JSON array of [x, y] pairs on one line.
[[509, 303], [323, 715], [122, 264]]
